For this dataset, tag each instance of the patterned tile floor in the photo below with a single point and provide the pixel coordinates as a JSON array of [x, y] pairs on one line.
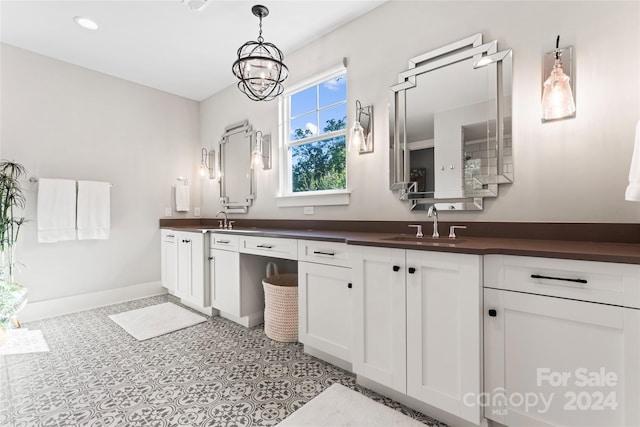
[[216, 373]]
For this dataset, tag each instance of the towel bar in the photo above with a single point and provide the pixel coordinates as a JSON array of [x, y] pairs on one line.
[[35, 180]]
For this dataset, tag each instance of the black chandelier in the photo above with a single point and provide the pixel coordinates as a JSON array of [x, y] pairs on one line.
[[259, 66]]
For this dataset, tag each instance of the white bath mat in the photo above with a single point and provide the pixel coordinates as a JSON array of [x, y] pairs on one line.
[[155, 320], [340, 406], [21, 341]]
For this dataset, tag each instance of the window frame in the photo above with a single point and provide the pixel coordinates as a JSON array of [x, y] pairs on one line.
[[286, 197]]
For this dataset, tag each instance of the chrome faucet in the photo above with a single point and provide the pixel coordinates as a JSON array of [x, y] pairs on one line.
[[225, 223], [433, 212]]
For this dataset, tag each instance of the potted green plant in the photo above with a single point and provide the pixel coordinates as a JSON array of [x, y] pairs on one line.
[[13, 296]]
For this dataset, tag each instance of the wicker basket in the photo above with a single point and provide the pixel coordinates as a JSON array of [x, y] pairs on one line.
[[280, 305]]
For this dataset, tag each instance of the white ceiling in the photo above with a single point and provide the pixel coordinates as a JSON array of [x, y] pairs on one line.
[[162, 43]]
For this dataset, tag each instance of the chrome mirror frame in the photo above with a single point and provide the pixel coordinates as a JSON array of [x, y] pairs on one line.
[[399, 168], [235, 203]]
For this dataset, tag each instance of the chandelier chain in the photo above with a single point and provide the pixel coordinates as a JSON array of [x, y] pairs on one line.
[[260, 38]]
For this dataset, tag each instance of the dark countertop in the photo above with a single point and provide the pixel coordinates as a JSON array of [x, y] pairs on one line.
[[628, 253]]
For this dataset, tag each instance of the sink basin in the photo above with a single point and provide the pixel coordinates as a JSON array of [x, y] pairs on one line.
[[426, 239]]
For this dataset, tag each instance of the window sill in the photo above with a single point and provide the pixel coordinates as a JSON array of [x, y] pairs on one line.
[[330, 198]]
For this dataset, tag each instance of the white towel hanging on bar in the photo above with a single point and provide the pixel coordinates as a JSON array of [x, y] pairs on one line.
[[182, 198], [94, 210], [56, 210]]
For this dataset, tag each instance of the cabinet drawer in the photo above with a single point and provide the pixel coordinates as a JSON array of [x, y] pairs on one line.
[[602, 282], [270, 246], [224, 241], [168, 235], [331, 253]]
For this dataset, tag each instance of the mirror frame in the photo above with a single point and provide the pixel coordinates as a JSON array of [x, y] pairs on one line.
[[399, 168], [228, 205]]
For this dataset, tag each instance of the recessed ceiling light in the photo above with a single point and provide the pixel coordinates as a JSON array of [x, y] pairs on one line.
[[196, 5], [87, 23]]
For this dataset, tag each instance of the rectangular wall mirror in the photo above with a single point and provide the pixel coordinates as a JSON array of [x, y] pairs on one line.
[[450, 126], [236, 176]]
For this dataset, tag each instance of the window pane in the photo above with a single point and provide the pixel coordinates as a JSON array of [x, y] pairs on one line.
[[333, 119], [334, 90], [303, 101], [319, 165], [304, 127]]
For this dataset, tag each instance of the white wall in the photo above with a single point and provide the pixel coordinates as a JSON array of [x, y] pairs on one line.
[[571, 170], [63, 121]]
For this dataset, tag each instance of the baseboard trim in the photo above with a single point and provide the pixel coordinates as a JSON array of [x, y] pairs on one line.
[[204, 310], [247, 321], [340, 363], [72, 304]]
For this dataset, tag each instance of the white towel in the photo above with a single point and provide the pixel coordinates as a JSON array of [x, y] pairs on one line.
[[182, 198], [56, 210], [633, 190], [94, 206]]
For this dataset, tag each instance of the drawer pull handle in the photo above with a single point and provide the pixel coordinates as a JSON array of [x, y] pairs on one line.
[[493, 313], [412, 270], [265, 246], [349, 285], [186, 241], [210, 258], [170, 235], [224, 242], [324, 253], [564, 279], [396, 268]]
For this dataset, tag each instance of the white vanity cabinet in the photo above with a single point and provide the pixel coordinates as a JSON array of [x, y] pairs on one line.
[[561, 342], [379, 293], [324, 301], [236, 280], [224, 273], [169, 260], [444, 331], [418, 325], [191, 268]]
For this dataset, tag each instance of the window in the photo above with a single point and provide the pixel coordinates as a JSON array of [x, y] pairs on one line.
[[314, 133]]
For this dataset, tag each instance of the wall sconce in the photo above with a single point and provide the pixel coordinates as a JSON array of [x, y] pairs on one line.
[[261, 155], [558, 88], [362, 136], [207, 163]]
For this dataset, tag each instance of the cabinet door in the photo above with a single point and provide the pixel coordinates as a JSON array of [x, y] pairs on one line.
[[191, 269], [379, 352], [224, 274], [184, 265], [169, 260], [324, 308], [560, 362], [444, 330]]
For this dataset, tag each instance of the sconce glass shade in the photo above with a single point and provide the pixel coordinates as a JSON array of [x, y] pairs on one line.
[[257, 162], [362, 136], [557, 94], [261, 154], [206, 163], [260, 68], [357, 141], [557, 97]]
